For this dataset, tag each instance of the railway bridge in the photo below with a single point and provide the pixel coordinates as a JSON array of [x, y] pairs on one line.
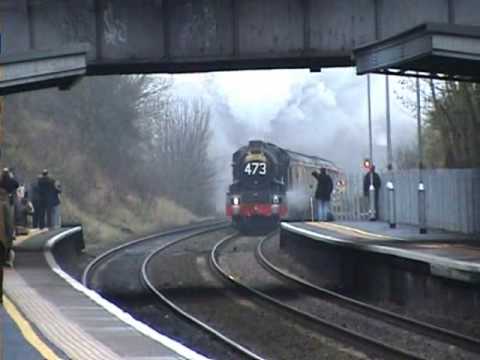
[[151, 36], [47, 43]]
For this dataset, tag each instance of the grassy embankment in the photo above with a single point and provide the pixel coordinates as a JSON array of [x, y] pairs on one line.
[[110, 210]]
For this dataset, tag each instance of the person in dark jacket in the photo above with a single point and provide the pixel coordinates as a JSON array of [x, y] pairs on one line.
[[8, 182], [377, 183], [35, 195], [8, 186], [323, 193], [5, 235], [45, 192], [2, 262]]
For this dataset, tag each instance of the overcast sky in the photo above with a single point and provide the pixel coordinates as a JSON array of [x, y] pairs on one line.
[[311, 108], [323, 114]]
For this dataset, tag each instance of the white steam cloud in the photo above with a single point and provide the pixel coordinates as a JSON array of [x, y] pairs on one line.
[[322, 114]]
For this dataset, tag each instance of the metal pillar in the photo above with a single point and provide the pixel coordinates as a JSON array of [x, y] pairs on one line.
[[422, 218], [390, 184], [371, 190]]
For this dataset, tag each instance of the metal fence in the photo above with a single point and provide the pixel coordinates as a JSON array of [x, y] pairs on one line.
[[452, 199], [350, 204]]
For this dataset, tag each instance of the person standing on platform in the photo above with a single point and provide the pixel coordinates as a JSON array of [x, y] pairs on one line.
[[8, 186], [45, 191], [55, 202], [5, 238], [35, 195], [377, 183], [23, 208], [323, 193], [2, 262]]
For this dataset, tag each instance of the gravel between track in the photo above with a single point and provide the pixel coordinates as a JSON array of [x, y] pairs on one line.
[[127, 292], [285, 261], [256, 325], [417, 344]]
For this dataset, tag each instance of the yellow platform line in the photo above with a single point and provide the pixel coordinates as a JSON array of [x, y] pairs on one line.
[[27, 331], [348, 230]]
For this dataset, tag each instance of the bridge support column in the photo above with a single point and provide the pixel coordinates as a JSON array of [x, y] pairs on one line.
[[372, 213], [422, 211], [392, 214]]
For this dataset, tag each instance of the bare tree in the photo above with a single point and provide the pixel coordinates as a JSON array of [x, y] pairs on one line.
[[179, 159], [452, 123]]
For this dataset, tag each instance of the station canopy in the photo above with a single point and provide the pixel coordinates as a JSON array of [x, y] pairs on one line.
[[433, 50], [33, 70]]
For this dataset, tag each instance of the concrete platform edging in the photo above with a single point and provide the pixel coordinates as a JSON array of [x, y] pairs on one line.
[[108, 306], [439, 266]]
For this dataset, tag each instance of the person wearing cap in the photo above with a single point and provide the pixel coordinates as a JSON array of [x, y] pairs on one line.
[[45, 191]]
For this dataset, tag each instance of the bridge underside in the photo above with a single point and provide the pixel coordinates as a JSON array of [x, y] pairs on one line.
[[139, 36], [434, 50], [37, 70], [218, 64], [172, 36]]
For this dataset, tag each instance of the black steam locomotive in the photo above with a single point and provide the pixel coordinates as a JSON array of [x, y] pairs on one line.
[[271, 184]]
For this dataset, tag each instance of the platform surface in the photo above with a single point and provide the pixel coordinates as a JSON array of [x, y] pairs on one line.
[[13, 344], [451, 255], [71, 324]]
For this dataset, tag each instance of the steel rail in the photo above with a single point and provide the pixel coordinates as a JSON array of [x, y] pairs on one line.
[[407, 323], [329, 329], [95, 263], [145, 278]]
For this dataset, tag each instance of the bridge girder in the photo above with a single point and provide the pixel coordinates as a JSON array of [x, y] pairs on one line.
[[142, 36], [41, 69]]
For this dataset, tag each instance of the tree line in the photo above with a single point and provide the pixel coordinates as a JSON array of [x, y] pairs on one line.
[[451, 125], [116, 134]]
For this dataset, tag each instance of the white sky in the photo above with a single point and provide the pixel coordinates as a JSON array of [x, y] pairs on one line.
[[323, 114], [255, 97]]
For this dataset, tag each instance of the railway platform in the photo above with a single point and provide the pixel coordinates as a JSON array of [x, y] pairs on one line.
[[46, 314], [449, 255]]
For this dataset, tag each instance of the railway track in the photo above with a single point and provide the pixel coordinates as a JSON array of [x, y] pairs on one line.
[[440, 334], [115, 275], [147, 279], [144, 244], [253, 330], [370, 346], [233, 320], [273, 287]]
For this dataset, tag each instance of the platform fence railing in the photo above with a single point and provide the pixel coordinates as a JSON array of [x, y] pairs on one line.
[[452, 199]]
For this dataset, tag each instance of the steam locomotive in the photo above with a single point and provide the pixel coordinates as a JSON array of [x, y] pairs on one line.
[[271, 184]]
